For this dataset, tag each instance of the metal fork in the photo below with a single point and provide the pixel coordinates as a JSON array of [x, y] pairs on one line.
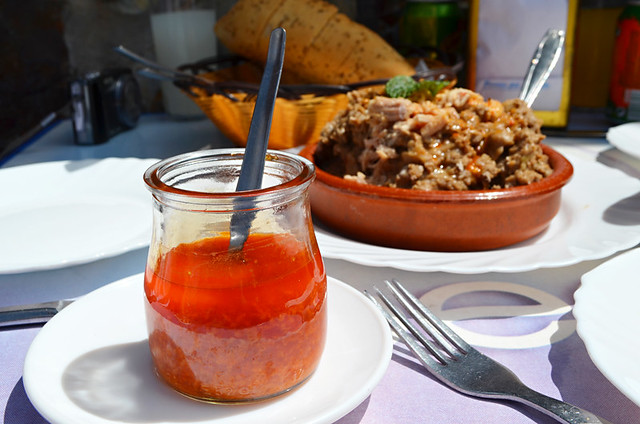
[[457, 364]]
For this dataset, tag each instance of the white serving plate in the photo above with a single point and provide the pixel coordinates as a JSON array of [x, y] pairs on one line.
[[58, 214], [598, 217], [608, 317], [626, 137]]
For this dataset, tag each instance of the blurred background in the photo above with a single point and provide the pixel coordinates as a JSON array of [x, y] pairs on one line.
[[46, 44]]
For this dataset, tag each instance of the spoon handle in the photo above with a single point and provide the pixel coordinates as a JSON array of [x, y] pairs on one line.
[[174, 73], [258, 138], [542, 63]]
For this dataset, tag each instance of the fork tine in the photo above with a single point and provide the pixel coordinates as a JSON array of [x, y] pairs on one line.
[[423, 321], [453, 338], [424, 348]]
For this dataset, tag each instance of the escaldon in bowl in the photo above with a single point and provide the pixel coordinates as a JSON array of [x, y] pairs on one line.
[[493, 196]]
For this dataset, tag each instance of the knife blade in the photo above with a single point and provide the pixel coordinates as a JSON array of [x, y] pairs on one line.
[[37, 313]]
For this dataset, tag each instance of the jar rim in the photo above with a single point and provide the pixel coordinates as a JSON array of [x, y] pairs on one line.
[[153, 176]]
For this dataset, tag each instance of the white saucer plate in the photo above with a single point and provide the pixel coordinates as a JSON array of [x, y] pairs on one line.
[[58, 214], [598, 217], [91, 365], [607, 315]]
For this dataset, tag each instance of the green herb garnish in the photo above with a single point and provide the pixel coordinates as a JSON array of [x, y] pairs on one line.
[[401, 86], [405, 86]]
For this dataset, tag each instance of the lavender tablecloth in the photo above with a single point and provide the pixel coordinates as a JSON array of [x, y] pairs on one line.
[[560, 369], [558, 365], [535, 337]]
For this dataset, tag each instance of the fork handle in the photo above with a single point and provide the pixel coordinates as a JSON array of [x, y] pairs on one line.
[[561, 411]]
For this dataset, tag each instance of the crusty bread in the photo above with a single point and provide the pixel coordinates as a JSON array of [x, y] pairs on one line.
[[242, 26], [323, 45], [301, 21]]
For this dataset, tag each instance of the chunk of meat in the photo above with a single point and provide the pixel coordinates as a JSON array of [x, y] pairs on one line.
[[392, 109]]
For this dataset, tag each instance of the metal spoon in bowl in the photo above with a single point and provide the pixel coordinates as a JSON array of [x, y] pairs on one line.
[[542, 63], [258, 138]]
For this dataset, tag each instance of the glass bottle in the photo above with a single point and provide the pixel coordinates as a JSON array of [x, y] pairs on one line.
[[431, 24], [182, 32], [593, 52], [231, 325], [624, 90]]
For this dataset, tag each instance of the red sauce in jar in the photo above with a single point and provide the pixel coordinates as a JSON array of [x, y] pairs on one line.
[[236, 326]]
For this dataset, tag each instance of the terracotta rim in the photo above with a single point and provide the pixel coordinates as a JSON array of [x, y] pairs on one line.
[[562, 172]]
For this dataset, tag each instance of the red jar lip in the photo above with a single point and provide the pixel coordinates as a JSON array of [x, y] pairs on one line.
[[154, 180]]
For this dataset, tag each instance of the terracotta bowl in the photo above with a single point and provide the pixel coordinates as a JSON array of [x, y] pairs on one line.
[[438, 220]]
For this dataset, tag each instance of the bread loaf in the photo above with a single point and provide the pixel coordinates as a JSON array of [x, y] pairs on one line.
[[323, 45]]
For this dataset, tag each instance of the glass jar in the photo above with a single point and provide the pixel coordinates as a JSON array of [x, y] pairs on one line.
[[231, 325]]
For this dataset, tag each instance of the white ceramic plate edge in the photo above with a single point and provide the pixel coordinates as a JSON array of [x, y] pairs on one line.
[[94, 172], [559, 246], [625, 137], [606, 309]]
